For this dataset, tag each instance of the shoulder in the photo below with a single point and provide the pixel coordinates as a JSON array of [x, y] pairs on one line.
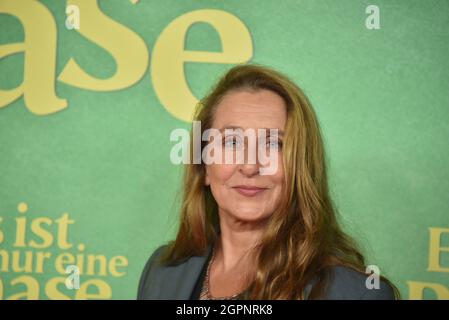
[[151, 268], [169, 280], [346, 283]]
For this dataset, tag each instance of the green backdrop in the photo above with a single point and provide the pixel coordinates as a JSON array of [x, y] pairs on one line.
[[93, 180]]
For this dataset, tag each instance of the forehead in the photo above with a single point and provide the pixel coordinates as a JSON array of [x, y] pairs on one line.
[[251, 109]]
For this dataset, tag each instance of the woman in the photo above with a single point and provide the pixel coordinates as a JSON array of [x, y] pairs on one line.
[[248, 235]]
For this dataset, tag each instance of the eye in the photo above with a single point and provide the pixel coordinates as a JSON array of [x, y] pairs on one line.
[[231, 142], [274, 144]]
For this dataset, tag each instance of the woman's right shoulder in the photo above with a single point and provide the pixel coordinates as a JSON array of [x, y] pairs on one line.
[[158, 254], [151, 267]]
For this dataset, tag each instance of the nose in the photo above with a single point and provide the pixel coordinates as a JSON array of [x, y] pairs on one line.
[[250, 165], [249, 169]]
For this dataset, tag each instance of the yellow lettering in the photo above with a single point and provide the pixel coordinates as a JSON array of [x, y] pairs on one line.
[[435, 249], [116, 262], [38, 230], [126, 47], [40, 260], [5, 260], [169, 56], [62, 260], [32, 288], [416, 290], [104, 290], [91, 264], [51, 289], [27, 266], [2, 236], [63, 226], [39, 48], [20, 232]]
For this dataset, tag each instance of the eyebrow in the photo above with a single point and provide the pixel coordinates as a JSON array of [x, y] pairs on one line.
[[281, 132]]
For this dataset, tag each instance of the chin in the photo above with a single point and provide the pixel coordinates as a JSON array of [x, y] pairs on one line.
[[250, 215]]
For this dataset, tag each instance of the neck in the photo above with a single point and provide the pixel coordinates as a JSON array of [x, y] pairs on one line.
[[236, 240]]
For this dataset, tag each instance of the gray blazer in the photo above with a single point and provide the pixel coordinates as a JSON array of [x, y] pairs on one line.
[[177, 282]]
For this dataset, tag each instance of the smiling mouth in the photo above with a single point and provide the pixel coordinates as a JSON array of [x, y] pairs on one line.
[[248, 191]]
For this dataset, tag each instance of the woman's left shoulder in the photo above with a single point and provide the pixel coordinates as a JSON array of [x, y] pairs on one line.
[[349, 284]]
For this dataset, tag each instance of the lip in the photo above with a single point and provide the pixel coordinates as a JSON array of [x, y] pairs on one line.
[[248, 191]]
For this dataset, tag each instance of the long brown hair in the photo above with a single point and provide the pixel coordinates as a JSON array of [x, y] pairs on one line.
[[303, 238]]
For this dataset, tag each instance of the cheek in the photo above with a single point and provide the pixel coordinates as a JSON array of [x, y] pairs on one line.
[[218, 174], [278, 179]]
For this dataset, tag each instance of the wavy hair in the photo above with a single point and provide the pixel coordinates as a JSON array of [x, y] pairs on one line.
[[303, 237]]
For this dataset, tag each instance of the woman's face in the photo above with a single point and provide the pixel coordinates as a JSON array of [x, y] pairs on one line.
[[240, 190]]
